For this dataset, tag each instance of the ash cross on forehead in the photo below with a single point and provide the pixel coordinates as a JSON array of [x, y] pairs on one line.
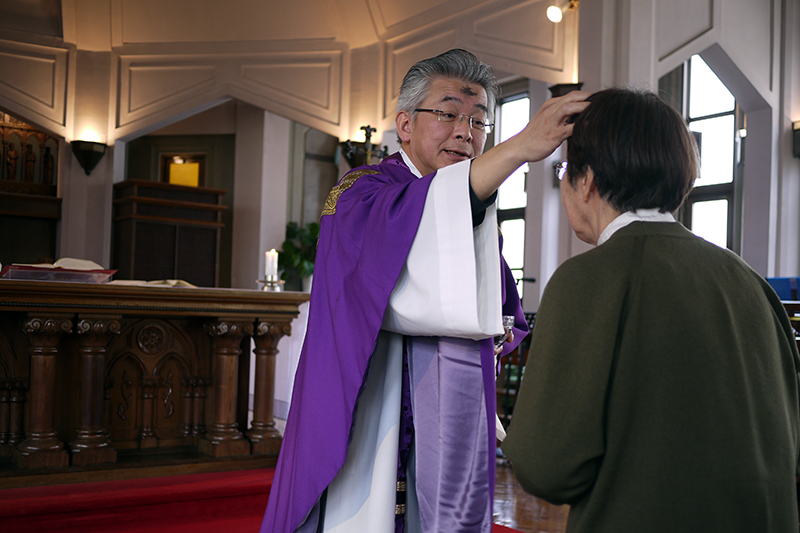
[[466, 90]]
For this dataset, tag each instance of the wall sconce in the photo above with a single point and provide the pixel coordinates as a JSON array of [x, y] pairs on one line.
[[556, 11], [358, 154], [88, 154], [560, 89], [796, 139]]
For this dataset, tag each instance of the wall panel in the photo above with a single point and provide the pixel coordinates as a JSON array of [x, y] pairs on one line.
[[33, 83]]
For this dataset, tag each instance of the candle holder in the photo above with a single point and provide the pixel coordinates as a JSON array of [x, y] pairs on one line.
[[271, 284]]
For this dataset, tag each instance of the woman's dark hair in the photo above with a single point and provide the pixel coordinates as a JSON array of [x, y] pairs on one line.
[[641, 152]]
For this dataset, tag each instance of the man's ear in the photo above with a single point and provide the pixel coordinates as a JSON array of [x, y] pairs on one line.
[[403, 122]]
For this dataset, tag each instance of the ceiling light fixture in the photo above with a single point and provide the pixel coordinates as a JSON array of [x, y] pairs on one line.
[[556, 11]]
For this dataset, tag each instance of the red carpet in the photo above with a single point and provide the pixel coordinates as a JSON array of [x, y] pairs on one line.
[[497, 528], [198, 503]]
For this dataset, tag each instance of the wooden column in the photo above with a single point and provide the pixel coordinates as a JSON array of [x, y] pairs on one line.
[[147, 435], [199, 386], [108, 384], [41, 448], [186, 392], [92, 445], [16, 418], [264, 437], [223, 437], [5, 414]]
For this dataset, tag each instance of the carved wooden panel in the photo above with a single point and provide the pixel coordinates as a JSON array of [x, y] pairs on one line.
[[27, 157], [29, 209], [149, 364]]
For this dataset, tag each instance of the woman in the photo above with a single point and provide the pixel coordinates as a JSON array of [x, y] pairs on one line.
[[661, 389]]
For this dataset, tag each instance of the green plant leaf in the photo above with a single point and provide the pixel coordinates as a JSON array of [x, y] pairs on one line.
[[299, 250]]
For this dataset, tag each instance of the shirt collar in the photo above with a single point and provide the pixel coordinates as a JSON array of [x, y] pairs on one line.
[[409, 164], [640, 215]]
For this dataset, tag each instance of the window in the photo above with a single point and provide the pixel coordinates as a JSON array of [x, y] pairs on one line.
[[717, 122], [512, 116]]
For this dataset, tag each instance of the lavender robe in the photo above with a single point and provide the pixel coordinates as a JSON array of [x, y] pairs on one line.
[[354, 276]]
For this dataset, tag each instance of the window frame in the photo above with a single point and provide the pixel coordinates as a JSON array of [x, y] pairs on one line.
[[512, 91], [675, 87]]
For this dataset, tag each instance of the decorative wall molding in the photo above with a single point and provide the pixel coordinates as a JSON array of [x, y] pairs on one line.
[[724, 33], [401, 54], [515, 38], [305, 86], [392, 18], [33, 83], [679, 23]]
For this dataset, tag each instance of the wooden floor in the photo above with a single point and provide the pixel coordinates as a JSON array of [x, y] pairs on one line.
[[516, 509]]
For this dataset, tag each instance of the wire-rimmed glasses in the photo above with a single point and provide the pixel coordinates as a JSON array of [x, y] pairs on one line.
[[446, 117], [560, 168]]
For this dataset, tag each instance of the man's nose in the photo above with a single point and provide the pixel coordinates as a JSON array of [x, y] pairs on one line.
[[462, 129]]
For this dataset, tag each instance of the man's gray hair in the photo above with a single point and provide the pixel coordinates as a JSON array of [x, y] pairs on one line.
[[456, 63]]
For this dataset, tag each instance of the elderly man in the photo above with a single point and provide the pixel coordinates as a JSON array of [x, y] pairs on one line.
[[392, 421], [661, 388]]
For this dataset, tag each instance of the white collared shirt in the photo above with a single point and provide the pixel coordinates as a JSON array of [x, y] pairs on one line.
[[643, 215]]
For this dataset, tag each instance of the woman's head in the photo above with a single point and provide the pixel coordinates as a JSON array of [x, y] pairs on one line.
[[641, 152]]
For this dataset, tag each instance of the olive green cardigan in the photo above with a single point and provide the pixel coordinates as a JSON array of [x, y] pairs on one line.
[[661, 391]]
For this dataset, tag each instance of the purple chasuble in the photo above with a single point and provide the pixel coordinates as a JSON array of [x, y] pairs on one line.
[[365, 236]]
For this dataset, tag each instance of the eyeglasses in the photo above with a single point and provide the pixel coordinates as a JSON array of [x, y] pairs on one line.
[[561, 169], [446, 117]]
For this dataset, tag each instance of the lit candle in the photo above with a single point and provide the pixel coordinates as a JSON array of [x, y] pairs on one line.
[[271, 267]]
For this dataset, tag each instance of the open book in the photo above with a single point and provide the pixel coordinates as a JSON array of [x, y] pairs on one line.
[[68, 263], [155, 282], [65, 269]]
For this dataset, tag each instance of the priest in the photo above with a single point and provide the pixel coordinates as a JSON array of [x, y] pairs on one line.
[[392, 424]]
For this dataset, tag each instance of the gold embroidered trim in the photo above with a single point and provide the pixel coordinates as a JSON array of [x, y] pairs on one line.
[[400, 509], [401, 486], [336, 192]]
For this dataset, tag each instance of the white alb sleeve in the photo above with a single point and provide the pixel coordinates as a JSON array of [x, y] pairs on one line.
[[450, 283]]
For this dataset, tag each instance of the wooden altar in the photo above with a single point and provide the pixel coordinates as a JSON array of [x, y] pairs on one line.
[[90, 371]]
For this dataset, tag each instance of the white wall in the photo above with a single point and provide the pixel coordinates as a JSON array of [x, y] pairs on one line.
[[543, 215], [87, 200], [261, 178]]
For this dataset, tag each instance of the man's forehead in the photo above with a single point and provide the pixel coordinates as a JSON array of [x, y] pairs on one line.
[[459, 91]]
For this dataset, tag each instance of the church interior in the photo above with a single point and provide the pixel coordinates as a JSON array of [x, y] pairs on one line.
[[174, 141]]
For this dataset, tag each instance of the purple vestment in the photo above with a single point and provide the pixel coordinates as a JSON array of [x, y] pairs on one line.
[[362, 249]]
